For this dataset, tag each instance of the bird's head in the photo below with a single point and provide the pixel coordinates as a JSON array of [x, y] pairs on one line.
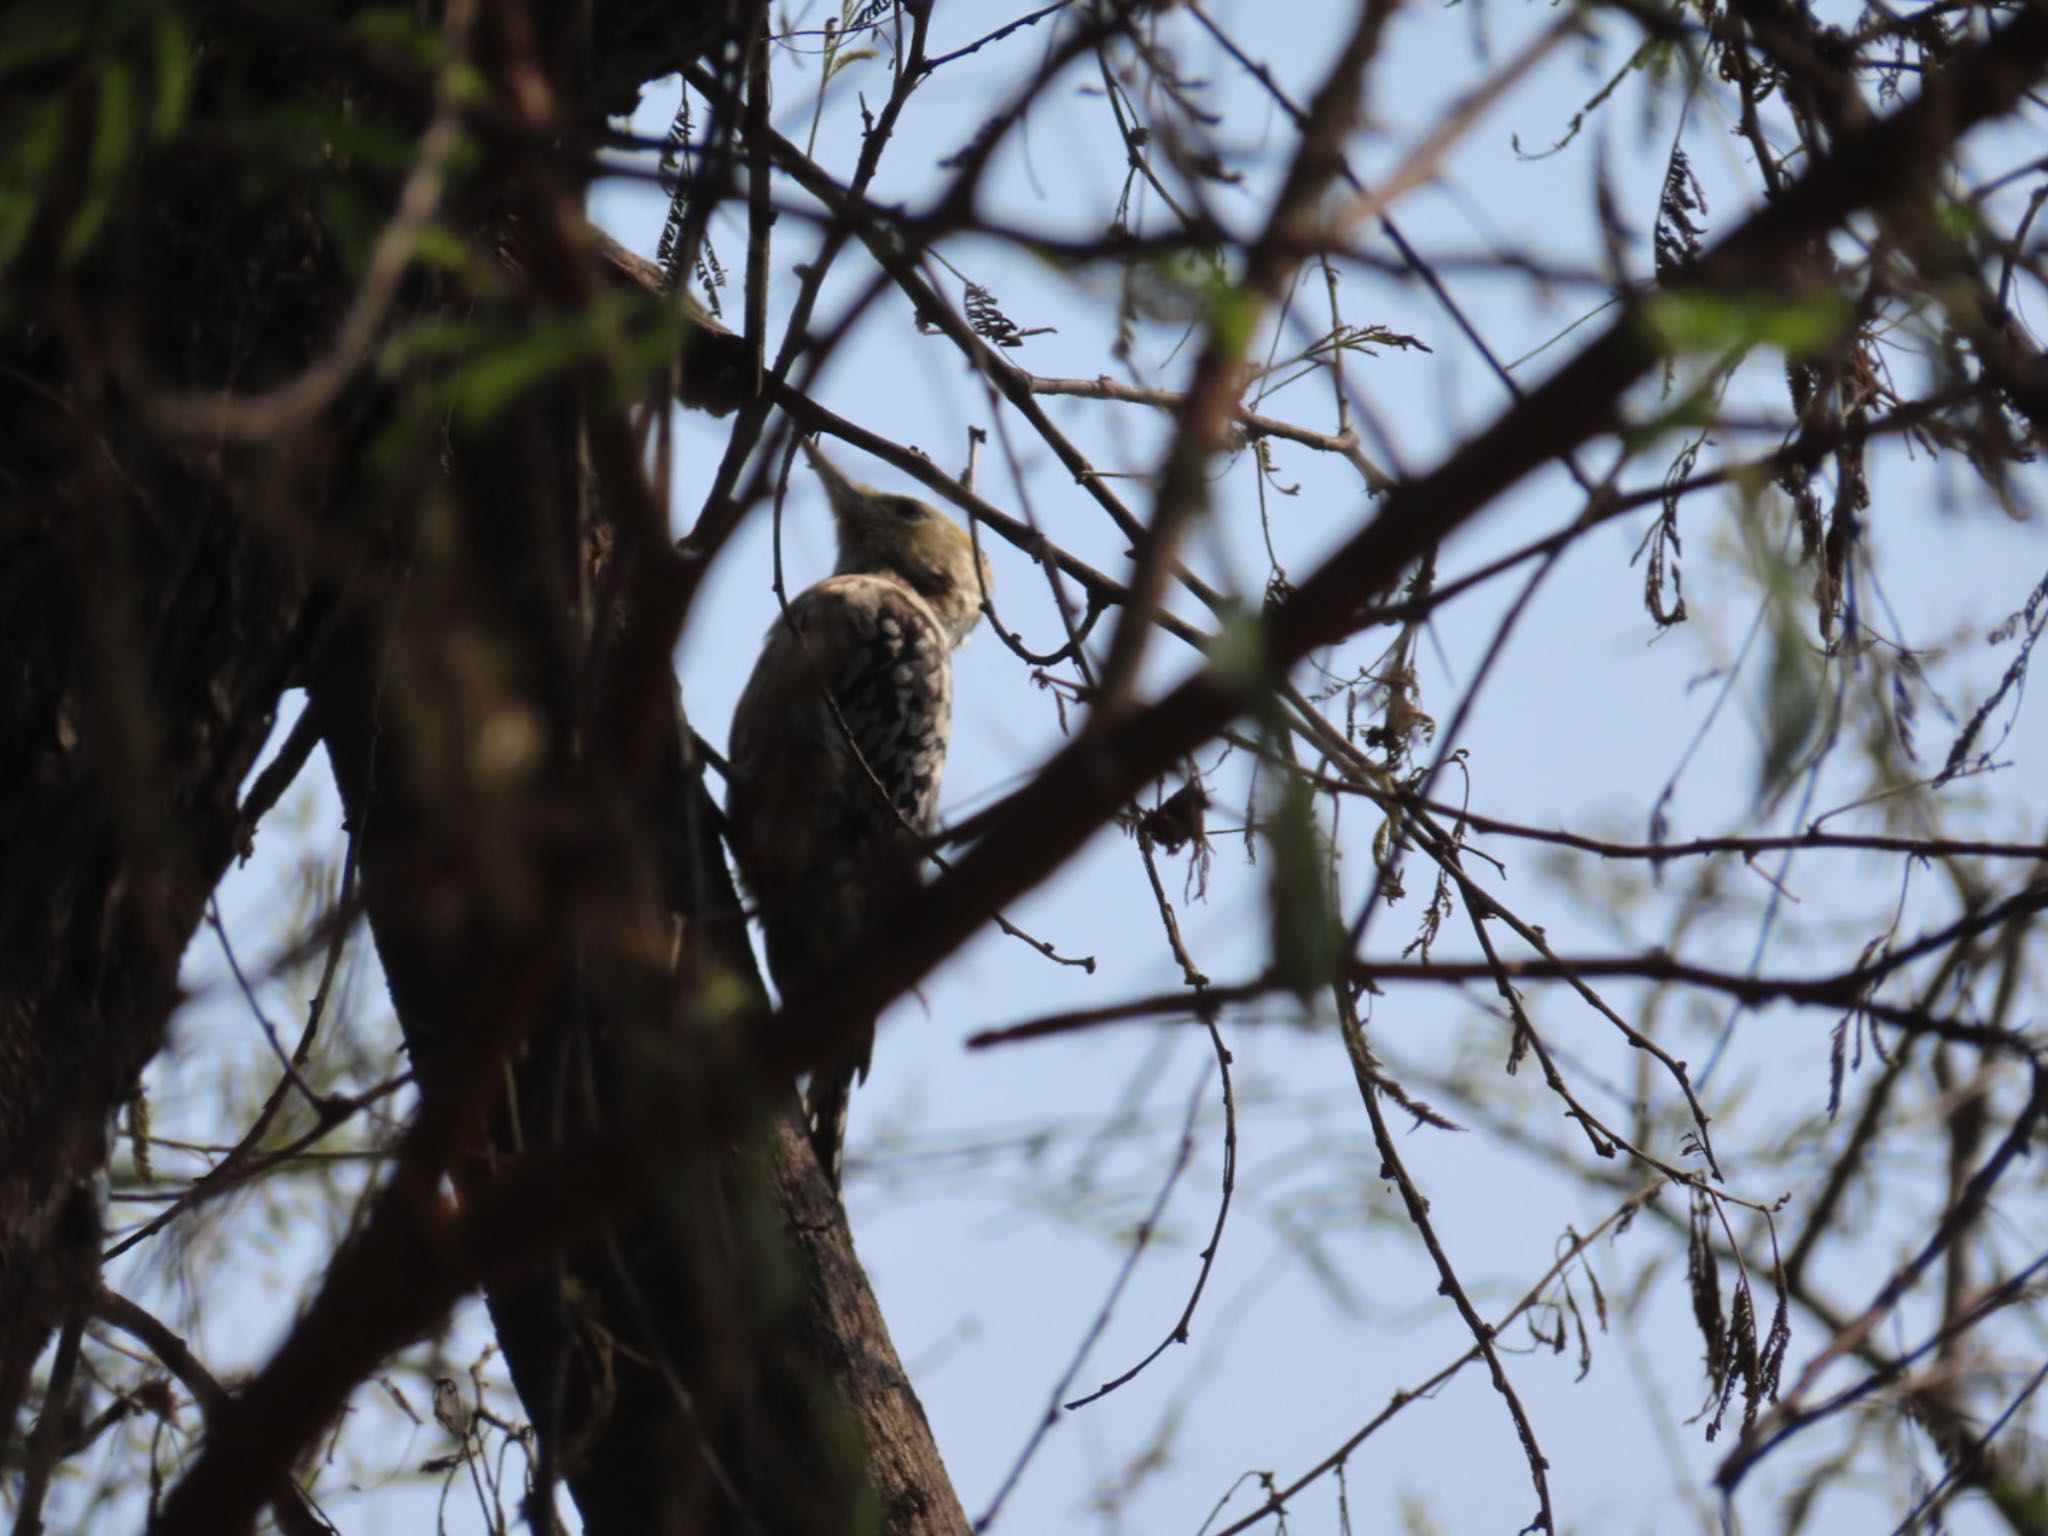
[[884, 533]]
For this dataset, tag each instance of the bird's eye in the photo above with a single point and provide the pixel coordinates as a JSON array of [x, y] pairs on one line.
[[909, 508]]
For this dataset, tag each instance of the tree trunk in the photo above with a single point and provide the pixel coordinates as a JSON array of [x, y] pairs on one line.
[[538, 861]]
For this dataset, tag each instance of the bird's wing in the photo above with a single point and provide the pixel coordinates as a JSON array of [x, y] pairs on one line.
[[840, 738], [892, 684]]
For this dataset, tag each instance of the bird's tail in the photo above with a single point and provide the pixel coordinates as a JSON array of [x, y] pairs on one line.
[[825, 1105]]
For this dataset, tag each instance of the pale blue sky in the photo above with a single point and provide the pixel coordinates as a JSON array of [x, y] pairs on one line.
[[990, 1279]]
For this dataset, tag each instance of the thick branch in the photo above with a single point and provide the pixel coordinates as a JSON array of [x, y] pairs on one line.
[[1039, 827]]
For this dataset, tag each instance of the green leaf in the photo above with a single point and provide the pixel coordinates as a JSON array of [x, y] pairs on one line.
[[436, 246], [1237, 656], [1233, 318], [114, 125], [1960, 220], [115, 120], [1181, 286], [839, 60], [486, 363], [425, 341], [173, 92], [395, 27], [468, 85], [485, 386], [1307, 937], [33, 37], [352, 219], [1792, 701], [26, 167], [1695, 321]]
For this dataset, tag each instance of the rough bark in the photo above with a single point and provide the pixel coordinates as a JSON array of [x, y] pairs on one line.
[[158, 593], [675, 1365], [151, 611]]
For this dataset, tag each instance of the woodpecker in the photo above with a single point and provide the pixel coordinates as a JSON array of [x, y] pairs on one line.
[[838, 745]]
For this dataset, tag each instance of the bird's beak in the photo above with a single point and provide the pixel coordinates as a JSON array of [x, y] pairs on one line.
[[843, 492]]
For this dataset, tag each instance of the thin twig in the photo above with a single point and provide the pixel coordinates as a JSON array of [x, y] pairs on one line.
[[1642, 1199], [46, 1440], [1140, 1241], [1179, 1332], [294, 1513], [1483, 1335]]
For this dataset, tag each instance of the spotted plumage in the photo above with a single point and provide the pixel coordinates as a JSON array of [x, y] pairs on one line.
[[839, 743]]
